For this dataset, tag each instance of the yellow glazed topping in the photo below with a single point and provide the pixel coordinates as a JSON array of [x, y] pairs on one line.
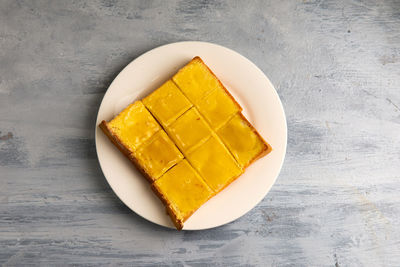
[[167, 103], [189, 130], [241, 140], [195, 80], [157, 155], [214, 163], [217, 107], [204, 122], [184, 189], [134, 125]]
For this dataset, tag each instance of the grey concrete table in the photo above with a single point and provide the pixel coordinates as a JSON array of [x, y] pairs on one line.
[[336, 67]]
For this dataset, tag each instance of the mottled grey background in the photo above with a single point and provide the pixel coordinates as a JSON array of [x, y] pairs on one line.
[[335, 65]]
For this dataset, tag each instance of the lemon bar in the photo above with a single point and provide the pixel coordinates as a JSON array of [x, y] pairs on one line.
[[189, 130], [195, 80], [183, 191], [243, 140], [167, 103], [157, 155], [218, 107], [214, 163], [132, 126]]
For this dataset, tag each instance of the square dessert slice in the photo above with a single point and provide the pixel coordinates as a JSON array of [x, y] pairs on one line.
[[182, 191], [130, 128], [214, 163], [196, 80], [189, 130], [157, 155], [167, 103], [218, 107], [244, 142]]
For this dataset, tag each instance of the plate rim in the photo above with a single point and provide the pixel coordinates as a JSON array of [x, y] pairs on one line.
[[284, 149]]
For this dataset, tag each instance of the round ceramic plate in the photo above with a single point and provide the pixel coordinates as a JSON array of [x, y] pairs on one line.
[[250, 87]]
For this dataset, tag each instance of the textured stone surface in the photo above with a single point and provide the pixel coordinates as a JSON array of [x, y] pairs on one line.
[[335, 65]]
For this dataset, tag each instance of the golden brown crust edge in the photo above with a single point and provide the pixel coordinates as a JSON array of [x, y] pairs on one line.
[[222, 85], [267, 147], [178, 223], [120, 145]]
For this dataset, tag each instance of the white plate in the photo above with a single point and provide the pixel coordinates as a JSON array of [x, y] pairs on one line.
[[250, 87]]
